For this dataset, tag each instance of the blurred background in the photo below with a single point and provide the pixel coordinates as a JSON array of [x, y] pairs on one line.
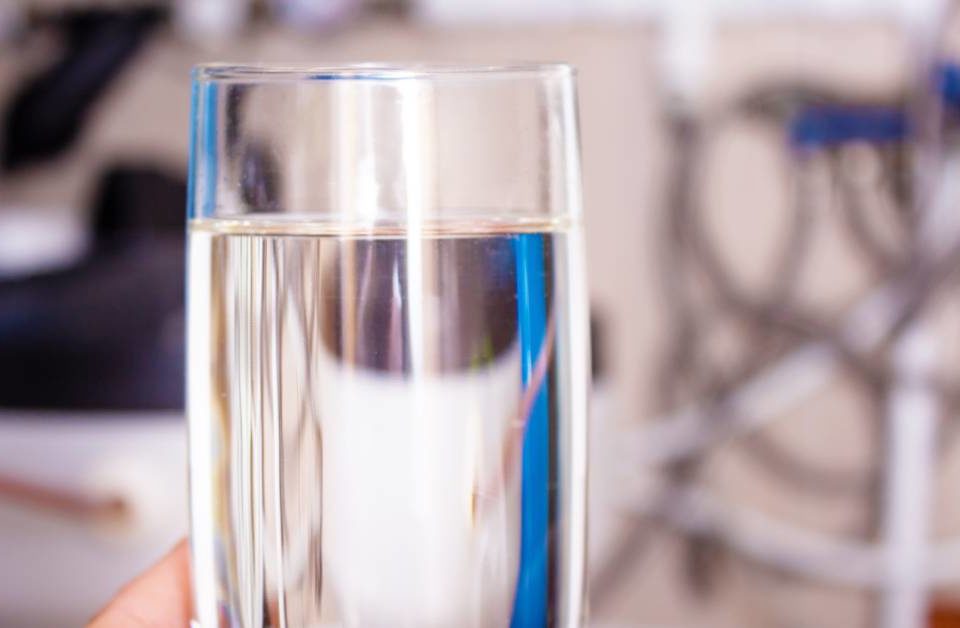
[[772, 205]]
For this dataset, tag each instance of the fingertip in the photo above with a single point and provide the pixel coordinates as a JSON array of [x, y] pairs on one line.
[[158, 598]]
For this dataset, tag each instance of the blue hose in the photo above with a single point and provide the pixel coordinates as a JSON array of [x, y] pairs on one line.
[[530, 604]]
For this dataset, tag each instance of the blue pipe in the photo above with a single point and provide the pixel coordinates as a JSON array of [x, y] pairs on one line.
[[827, 126], [530, 604]]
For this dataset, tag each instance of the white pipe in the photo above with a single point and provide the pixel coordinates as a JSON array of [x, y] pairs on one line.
[[800, 374], [912, 427], [781, 544]]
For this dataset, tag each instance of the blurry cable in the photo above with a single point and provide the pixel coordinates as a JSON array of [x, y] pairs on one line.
[[793, 350], [68, 503], [47, 114]]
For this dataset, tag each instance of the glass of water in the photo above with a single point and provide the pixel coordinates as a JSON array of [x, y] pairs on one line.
[[387, 347]]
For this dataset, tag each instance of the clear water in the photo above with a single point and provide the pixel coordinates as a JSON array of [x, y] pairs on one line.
[[386, 428]]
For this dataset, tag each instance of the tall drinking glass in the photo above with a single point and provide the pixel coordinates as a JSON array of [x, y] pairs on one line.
[[387, 347]]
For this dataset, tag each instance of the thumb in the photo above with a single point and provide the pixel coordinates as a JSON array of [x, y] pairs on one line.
[[159, 598]]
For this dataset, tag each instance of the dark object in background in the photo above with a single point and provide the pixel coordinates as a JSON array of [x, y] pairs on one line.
[[134, 202], [598, 354], [47, 114], [106, 334]]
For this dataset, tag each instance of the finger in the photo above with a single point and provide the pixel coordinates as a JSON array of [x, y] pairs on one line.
[[159, 598]]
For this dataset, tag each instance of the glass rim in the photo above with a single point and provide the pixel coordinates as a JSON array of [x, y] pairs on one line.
[[376, 71]]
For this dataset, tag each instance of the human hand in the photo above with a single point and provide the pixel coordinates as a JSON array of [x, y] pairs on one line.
[[158, 598]]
